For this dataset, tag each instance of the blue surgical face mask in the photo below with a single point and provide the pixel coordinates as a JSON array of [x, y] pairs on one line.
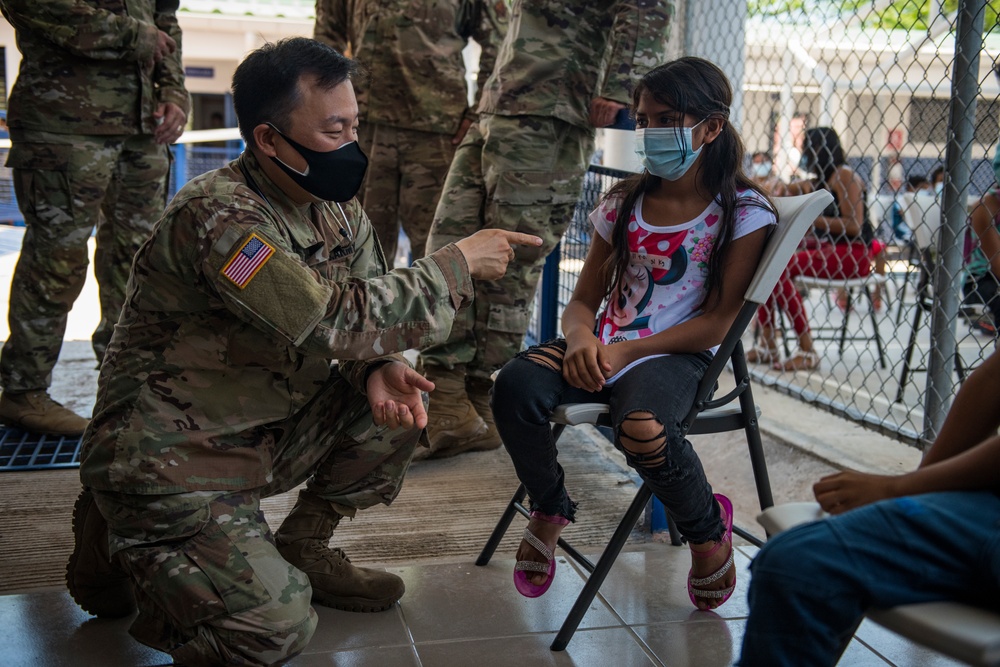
[[762, 169], [666, 151]]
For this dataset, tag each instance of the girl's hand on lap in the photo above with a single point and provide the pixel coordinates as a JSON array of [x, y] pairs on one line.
[[582, 365], [614, 358]]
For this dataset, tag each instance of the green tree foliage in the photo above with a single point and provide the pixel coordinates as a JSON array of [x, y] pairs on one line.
[[900, 15]]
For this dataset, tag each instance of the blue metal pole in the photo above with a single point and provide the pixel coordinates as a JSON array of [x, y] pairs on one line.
[[549, 324], [180, 167]]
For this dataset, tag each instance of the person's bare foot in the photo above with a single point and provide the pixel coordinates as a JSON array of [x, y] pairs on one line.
[[803, 360], [704, 566], [548, 533]]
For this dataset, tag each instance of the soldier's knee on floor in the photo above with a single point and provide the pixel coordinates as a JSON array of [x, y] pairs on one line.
[[270, 639]]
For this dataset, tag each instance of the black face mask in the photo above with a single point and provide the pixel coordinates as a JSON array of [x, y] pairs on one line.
[[332, 175]]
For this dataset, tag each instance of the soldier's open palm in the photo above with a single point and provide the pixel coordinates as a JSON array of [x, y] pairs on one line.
[[394, 396]]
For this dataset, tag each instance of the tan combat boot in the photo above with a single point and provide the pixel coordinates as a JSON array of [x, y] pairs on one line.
[[303, 540], [479, 393], [98, 584], [453, 423], [35, 411]]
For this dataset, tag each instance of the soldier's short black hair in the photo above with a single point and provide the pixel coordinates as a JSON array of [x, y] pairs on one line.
[[265, 84]]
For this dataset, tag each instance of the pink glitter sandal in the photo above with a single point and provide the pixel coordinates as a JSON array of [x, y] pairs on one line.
[[521, 583], [696, 585]]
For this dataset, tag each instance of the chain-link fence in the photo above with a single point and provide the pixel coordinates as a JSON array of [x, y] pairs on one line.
[[907, 87]]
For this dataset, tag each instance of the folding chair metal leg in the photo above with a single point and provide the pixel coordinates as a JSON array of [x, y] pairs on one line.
[[907, 372], [754, 443], [675, 535], [502, 525], [878, 335], [602, 568], [847, 317]]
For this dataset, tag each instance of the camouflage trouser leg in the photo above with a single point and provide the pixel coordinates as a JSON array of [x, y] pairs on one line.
[[334, 444], [520, 173], [210, 585], [61, 183], [135, 199], [406, 172]]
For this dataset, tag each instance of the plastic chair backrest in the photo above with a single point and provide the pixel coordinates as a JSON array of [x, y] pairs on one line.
[[922, 212], [795, 217]]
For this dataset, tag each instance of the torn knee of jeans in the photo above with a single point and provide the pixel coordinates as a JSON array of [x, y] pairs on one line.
[[643, 439], [547, 355]]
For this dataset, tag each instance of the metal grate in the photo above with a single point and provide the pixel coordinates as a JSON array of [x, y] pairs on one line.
[[20, 450]]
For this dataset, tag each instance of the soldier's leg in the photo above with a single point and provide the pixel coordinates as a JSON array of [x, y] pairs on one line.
[[380, 193], [424, 161], [533, 170], [454, 425], [349, 463], [136, 197], [60, 181], [210, 585]]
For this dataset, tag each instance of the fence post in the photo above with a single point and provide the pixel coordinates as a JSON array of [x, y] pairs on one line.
[[549, 316], [180, 167], [958, 176]]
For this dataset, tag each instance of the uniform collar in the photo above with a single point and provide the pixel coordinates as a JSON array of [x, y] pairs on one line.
[[296, 216]]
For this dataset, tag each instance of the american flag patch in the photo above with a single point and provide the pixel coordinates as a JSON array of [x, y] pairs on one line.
[[248, 261]]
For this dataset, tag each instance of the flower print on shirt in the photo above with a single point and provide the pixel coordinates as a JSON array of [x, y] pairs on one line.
[[702, 250]]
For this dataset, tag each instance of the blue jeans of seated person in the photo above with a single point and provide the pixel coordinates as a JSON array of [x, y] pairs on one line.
[[811, 585], [526, 392]]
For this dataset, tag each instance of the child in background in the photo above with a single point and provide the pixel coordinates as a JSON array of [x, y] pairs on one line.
[[674, 251]]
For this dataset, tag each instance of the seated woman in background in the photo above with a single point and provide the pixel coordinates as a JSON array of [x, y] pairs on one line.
[[839, 246], [981, 284]]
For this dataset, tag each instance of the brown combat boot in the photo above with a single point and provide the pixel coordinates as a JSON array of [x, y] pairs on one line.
[[303, 540], [35, 411], [454, 425], [98, 584]]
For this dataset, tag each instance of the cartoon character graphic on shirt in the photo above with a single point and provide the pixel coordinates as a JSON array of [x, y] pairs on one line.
[[646, 271]]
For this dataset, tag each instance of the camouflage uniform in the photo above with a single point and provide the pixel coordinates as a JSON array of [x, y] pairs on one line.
[[522, 168], [217, 390], [83, 155], [413, 101]]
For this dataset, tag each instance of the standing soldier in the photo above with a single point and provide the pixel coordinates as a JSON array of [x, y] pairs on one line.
[[414, 106], [564, 68], [99, 95]]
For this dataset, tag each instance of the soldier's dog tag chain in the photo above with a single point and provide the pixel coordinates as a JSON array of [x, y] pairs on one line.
[[345, 229]]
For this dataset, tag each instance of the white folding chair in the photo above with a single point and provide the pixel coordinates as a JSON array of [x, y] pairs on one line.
[[960, 631], [922, 213], [734, 411]]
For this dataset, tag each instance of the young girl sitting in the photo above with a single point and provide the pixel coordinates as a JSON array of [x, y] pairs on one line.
[[675, 249]]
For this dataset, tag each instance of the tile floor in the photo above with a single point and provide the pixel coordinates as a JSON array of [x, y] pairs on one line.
[[457, 614]]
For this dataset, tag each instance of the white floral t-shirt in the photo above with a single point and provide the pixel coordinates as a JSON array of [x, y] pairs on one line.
[[665, 281]]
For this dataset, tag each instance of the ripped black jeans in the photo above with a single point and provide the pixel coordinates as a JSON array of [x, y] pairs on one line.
[[647, 406]]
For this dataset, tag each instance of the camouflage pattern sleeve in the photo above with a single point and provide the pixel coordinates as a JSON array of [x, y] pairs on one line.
[[372, 313], [357, 372], [169, 73], [83, 29], [489, 35], [332, 24], [337, 310], [638, 41], [341, 23]]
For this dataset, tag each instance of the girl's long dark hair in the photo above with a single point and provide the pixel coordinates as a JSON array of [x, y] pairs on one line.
[[697, 87]]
